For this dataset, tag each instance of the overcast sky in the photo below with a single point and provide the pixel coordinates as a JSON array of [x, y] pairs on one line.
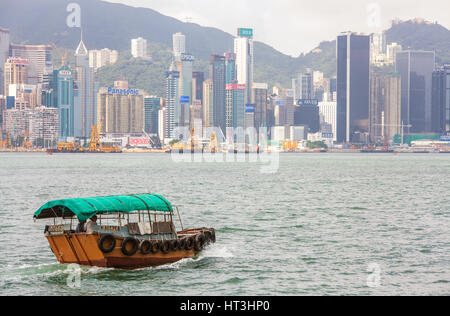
[[296, 26]]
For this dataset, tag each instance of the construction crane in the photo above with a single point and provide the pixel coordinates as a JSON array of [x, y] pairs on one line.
[[60, 54], [95, 138], [213, 144], [402, 126]]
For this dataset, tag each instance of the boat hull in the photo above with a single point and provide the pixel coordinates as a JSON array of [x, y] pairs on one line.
[[83, 249]]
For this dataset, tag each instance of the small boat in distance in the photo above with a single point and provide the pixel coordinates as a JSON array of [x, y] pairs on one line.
[[126, 232]]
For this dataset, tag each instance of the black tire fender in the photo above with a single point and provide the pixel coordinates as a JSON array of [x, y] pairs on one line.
[[146, 247], [133, 250], [199, 242], [102, 240], [190, 242], [165, 247]]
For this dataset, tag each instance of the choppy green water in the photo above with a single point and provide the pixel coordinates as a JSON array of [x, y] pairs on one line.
[[315, 227]]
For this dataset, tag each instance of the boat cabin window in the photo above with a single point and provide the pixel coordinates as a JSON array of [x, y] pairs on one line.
[[135, 223]]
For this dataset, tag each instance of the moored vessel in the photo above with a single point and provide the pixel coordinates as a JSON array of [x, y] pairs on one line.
[[127, 232]]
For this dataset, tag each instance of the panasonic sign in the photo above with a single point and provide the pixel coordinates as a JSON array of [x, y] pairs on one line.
[[123, 91]]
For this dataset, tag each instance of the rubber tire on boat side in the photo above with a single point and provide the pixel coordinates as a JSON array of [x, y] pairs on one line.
[[155, 247], [146, 247], [174, 244], [102, 240], [213, 235], [190, 241], [199, 242], [165, 247], [133, 250], [182, 244]]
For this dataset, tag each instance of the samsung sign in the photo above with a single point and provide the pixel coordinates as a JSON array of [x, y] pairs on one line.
[[250, 108], [302, 102], [123, 91], [245, 32], [445, 138], [184, 99]]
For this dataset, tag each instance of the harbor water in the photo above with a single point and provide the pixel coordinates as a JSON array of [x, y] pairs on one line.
[[323, 224]]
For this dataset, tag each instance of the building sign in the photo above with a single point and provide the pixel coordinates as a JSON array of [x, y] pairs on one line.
[[279, 102], [327, 135], [184, 99], [123, 91], [139, 141], [187, 57], [242, 32], [16, 60], [445, 138], [65, 73], [302, 102], [250, 108], [236, 86]]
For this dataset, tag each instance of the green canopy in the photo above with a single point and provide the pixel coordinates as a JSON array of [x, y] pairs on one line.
[[85, 208]]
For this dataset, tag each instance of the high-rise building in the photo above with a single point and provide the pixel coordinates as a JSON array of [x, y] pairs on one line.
[[260, 95], [197, 85], [385, 107], [139, 47], [441, 100], [15, 72], [121, 110], [63, 83], [243, 48], [230, 68], [416, 70], [39, 124], [208, 103], [392, 50], [303, 86], [179, 45], [376, 107], [393, 106], [152, 105], [102, 57], [307, 115], [235, 105], [173, 105], [328, 111], [4, 53], [218, 77], [377, 46], [184, 67], [353, 72], [163, 128], [39, 58], [85, 115]]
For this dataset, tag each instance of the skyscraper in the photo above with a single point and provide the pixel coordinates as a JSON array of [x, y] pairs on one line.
[[39, 58], [303, 86], [243, 48], [235, 105], [416, 70], [173, 102], [393, 105], [208, 103], [353, 64], [376, 107], [179, 45], [139, 47], [4, 52], [230, 65], [441, 100], [197, 85], [218, 77], [103, 57], [85, 116], [15, 72], [184, 67], [63, 82], [121, 109], [152, 105], [260, 94]]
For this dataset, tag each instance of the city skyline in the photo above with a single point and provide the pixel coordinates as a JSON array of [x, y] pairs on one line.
[[298, 18]]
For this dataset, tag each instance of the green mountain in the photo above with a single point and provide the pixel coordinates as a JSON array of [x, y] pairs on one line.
[[113, 25]]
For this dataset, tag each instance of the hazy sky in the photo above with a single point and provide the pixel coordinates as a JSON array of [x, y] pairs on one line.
[[296, 26]]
